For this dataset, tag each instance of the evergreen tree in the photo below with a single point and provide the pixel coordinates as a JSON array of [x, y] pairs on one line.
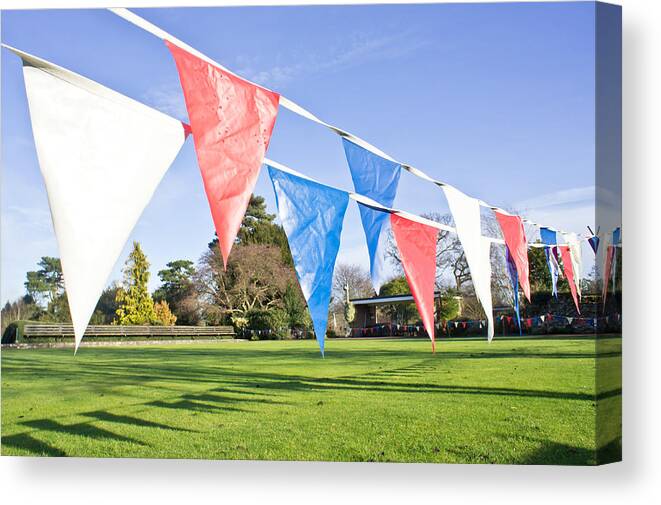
[[294, 306], [400, 312], [164, 316], [45, 285], [258, 227], [178, 290], [134, 303]]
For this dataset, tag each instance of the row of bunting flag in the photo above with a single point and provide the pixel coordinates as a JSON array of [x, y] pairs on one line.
[[102, 155], [529, 322]]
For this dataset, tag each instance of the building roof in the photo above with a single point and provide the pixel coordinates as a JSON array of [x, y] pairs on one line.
[[378, 300]]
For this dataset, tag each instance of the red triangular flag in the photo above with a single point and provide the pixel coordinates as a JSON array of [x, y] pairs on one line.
[[231, 120], [569, 273], [417, 249], [517, 244], [610, 253]]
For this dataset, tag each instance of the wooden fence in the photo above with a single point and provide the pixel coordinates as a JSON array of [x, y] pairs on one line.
[[58, 331]]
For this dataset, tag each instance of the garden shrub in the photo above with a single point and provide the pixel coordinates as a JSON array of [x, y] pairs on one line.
[[270, 324]]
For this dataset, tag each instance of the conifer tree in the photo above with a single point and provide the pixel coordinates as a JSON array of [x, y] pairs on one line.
[[134, 303]]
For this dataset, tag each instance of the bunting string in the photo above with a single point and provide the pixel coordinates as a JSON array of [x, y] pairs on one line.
[[529, 322], [289, 104], [365, 200], [231, 123]]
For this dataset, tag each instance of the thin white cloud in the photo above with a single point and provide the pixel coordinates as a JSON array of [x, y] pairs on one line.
[[565, 197], [358, 49], [168, 98]]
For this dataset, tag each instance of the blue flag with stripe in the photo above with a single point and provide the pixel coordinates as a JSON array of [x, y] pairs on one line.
[[376, 178], [550, 238], [594, 243], [311, 215]]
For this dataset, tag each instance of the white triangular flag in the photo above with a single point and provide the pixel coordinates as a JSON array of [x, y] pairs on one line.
[[466, 214], [542, 318], [570, 319], [102, 155]]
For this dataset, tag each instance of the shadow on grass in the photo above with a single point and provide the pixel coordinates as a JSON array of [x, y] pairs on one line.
[[26, 442], [161, 368], [79, 429], [101, 415], [379, 381], [553, 453], [213, 398], [192, 405], [611, 452]]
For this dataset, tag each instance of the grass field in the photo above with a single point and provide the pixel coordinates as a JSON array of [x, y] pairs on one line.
[[511, 401]]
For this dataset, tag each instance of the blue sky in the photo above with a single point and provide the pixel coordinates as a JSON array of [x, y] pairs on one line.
[[497, 99]]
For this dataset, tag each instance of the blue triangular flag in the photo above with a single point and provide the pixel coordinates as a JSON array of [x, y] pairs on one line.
[[617, 240], [594, 243], [514, 279], [312, 216], [550, 238], [376, 178]]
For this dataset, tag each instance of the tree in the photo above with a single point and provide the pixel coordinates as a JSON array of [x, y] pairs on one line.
[[294, 307], [46, 287], [258, 227], [260, 274], [47, 283], [539, 274], [106, 308], [256, 278], [22, 308], [354, 278], [449, 307], [349, 309], [163, 315], [134, 303], [178, 290], [403, 312]]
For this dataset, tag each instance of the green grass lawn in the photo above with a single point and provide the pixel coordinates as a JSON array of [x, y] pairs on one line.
[[511, 401]]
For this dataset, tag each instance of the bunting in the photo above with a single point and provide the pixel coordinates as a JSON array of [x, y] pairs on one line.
[[143, 24], [312, 216], [118, 150], [550, 238], [575, 253], [466, 214], [416, 243], [610, 256], [569, 273], [594, 243], [514, 279], [231, 120], [517, 245], [376, 178], [617, 241], [101, 155]]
